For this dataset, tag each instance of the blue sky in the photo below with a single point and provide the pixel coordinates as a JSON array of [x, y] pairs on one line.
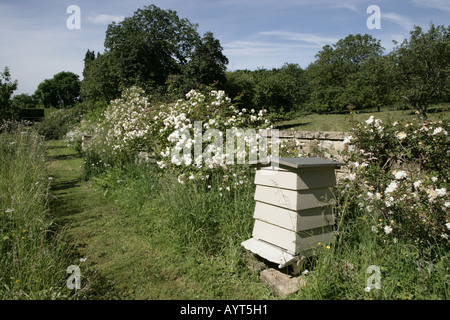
[[35, 42]]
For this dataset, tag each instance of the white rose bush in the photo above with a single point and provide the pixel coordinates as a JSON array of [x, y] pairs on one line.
[[399, 175], [188, 137]]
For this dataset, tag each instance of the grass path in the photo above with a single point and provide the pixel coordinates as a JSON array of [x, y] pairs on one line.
[[118, 262], [81, 211], [125, 257]]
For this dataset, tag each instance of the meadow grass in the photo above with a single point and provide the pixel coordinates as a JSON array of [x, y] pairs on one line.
[[33, 253], [144, 235], [344, 122], [186, 245], [183, 239]]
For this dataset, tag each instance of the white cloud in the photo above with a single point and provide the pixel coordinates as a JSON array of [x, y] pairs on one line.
[[105, 18], [402, 21], [318, 41], [436, 4]]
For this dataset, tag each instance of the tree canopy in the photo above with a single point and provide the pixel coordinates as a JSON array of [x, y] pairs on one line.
[[61, 91], [338, 74], [149, 48], [421, 67], [7, 87]]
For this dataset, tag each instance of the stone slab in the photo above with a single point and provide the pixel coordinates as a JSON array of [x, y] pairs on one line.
[[280, 283]]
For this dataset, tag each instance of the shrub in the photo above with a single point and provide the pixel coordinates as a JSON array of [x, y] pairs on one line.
[[399, 174], [61, 121], [131, 125]]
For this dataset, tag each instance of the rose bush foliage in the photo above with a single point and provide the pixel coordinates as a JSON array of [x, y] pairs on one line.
[[398, 173]]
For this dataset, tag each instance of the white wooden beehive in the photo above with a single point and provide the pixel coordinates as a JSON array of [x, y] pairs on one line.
[[293, 209]]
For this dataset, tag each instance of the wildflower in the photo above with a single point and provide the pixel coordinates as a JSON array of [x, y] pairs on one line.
[[348, 139], [367, 289], [161, 164], [306, 272], [387, 229], [328, 247], [439, 130], [181, 178], [441, 192], [417, 184], [400, 174], [434, 179], [389, 201], [391, 188], [370, 120], [432, 195], [448, 225], [400, 135]]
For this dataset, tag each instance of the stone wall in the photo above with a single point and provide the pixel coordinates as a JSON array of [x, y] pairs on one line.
[[308, 140], [328, 143]]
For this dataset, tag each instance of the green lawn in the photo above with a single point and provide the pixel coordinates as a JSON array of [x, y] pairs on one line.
[[128, 243], [344, 122]]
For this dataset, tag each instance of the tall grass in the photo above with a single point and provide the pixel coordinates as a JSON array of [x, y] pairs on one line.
[[200, 220], [32, 261], [409, 269], [202, 216]]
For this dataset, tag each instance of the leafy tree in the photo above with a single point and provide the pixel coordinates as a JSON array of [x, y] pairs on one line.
[[155, 50], [7, 87], [61, 91], [280, 91], [421, 67], [23, 101], [101, 78], [150, 45], [207, 63], [336, 74], [240, 85]]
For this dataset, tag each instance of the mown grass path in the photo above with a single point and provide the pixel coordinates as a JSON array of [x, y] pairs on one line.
[[126, 258], [81, 211]]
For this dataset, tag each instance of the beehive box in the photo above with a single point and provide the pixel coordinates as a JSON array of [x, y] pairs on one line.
[[293, 209]]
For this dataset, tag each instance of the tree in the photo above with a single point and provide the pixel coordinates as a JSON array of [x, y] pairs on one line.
[[421, 67], [23, 101], [155, 50], [102, 80], [61, 91], [150, 45], [240, 85], [335, 73], [207, 63], [280, 91], [7, 87]]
